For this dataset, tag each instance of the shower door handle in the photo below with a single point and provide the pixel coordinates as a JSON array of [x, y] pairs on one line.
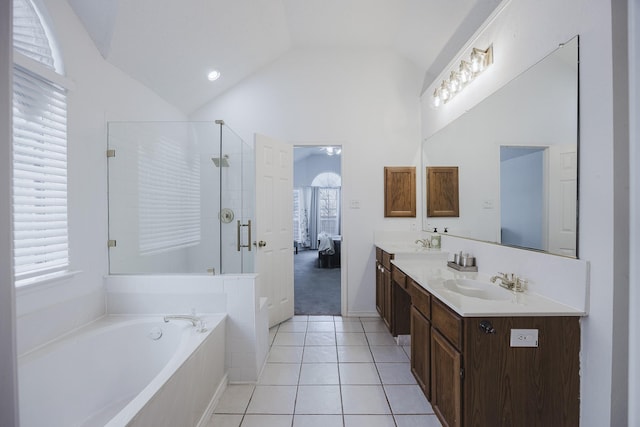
[[239, 227]]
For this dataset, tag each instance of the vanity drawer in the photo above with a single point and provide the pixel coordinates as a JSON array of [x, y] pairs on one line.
[[420, 298], [399, 277], [379, 255], [447, 322], [386, 260]]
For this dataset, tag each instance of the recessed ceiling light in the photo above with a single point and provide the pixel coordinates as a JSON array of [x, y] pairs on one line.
[[213, 75]]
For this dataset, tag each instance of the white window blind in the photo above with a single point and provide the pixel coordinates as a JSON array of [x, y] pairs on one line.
[[296, 214], [29, 34], [40, 230], [169, 194], [39, 176]]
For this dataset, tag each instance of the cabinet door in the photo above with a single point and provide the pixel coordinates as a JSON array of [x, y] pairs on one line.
[[400, 191], [421, 351], [446, 380], [386, 284], [442, 191]]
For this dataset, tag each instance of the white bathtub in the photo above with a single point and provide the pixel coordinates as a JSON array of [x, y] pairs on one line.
[[113, 372]]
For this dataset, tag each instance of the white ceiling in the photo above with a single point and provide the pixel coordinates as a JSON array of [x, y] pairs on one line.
[[170, 45]]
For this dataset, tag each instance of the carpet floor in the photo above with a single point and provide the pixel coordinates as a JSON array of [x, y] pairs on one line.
[[317, 290]]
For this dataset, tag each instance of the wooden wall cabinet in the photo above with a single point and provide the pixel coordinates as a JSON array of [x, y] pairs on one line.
[[400, 191], [442, 192]]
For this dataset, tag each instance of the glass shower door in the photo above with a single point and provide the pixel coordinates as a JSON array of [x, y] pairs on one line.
[[236, 203], [176, 193]]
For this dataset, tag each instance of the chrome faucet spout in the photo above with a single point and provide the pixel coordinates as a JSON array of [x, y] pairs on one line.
[[424, 242], [195, 320], [510, 281]]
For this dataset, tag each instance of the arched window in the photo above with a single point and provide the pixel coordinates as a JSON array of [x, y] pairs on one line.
[[40, 230], [327, 195], [327, 180]]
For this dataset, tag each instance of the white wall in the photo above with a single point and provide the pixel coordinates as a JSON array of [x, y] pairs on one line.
[[8, 373], [523, 33], [368, 102], [101, 93]]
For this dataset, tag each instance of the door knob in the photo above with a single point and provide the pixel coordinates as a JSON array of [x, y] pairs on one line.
[[260, 244]]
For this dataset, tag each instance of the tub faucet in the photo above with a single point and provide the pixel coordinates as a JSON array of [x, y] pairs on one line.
[[195, 320], [424, 242]]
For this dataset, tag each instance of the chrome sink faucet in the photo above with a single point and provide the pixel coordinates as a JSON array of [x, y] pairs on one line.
[[424, 242], [510, 281]]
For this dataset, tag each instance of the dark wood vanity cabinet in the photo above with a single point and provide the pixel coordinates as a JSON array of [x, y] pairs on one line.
[[522, 386], [400, 303], [392, 300], [446, 364], [472, 375]]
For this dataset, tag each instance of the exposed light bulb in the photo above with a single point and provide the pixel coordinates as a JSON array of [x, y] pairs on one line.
[[465, 72], [445, 95], [477, 60], [436, 99], [454, 83]]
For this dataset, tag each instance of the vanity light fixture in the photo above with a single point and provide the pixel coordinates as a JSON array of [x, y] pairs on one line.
[[467, 71]]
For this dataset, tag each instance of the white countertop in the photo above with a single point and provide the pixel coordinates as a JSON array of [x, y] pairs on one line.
[[430, 272]]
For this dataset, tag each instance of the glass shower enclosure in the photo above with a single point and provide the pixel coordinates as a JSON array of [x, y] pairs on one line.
[[181, 198]]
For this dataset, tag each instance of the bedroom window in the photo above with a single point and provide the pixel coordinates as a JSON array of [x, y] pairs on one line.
[[328, 210], [40, 228]]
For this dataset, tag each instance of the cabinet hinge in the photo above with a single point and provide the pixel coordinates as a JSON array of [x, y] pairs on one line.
[[462, 373], [111, 153], [111, 243]]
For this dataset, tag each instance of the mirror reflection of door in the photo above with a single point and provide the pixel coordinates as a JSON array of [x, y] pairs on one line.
[[523, 207], [317, 230]]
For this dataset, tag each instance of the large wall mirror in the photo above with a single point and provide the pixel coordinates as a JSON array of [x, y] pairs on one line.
[[517, 159]]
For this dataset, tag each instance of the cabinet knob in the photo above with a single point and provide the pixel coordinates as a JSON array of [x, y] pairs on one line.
[[486, 327]]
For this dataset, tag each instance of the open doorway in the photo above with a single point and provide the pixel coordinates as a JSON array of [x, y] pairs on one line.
[[317, 235]]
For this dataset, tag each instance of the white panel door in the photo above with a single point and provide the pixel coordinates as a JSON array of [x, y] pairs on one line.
[[563, 187], [274, 226]]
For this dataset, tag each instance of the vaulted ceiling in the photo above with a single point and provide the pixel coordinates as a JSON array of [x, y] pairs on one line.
[[170, 45]]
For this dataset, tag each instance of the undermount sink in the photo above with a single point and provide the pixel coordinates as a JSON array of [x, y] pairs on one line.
[[477, 289]]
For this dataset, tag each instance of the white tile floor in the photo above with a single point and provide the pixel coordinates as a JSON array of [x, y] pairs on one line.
[[325, 371]]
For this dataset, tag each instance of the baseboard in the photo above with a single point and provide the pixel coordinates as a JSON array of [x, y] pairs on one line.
[[206, 416]]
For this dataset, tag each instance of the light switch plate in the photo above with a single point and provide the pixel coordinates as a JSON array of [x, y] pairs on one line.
[[524, 338]]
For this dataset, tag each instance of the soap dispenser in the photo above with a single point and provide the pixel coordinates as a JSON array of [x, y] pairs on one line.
[[435, 239]]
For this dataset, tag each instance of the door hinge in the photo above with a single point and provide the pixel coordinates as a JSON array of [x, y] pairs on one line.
[[111, 153], [111, 243], [462, 373]]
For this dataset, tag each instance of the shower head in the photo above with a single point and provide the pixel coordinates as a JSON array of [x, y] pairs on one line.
[[221, 161]]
